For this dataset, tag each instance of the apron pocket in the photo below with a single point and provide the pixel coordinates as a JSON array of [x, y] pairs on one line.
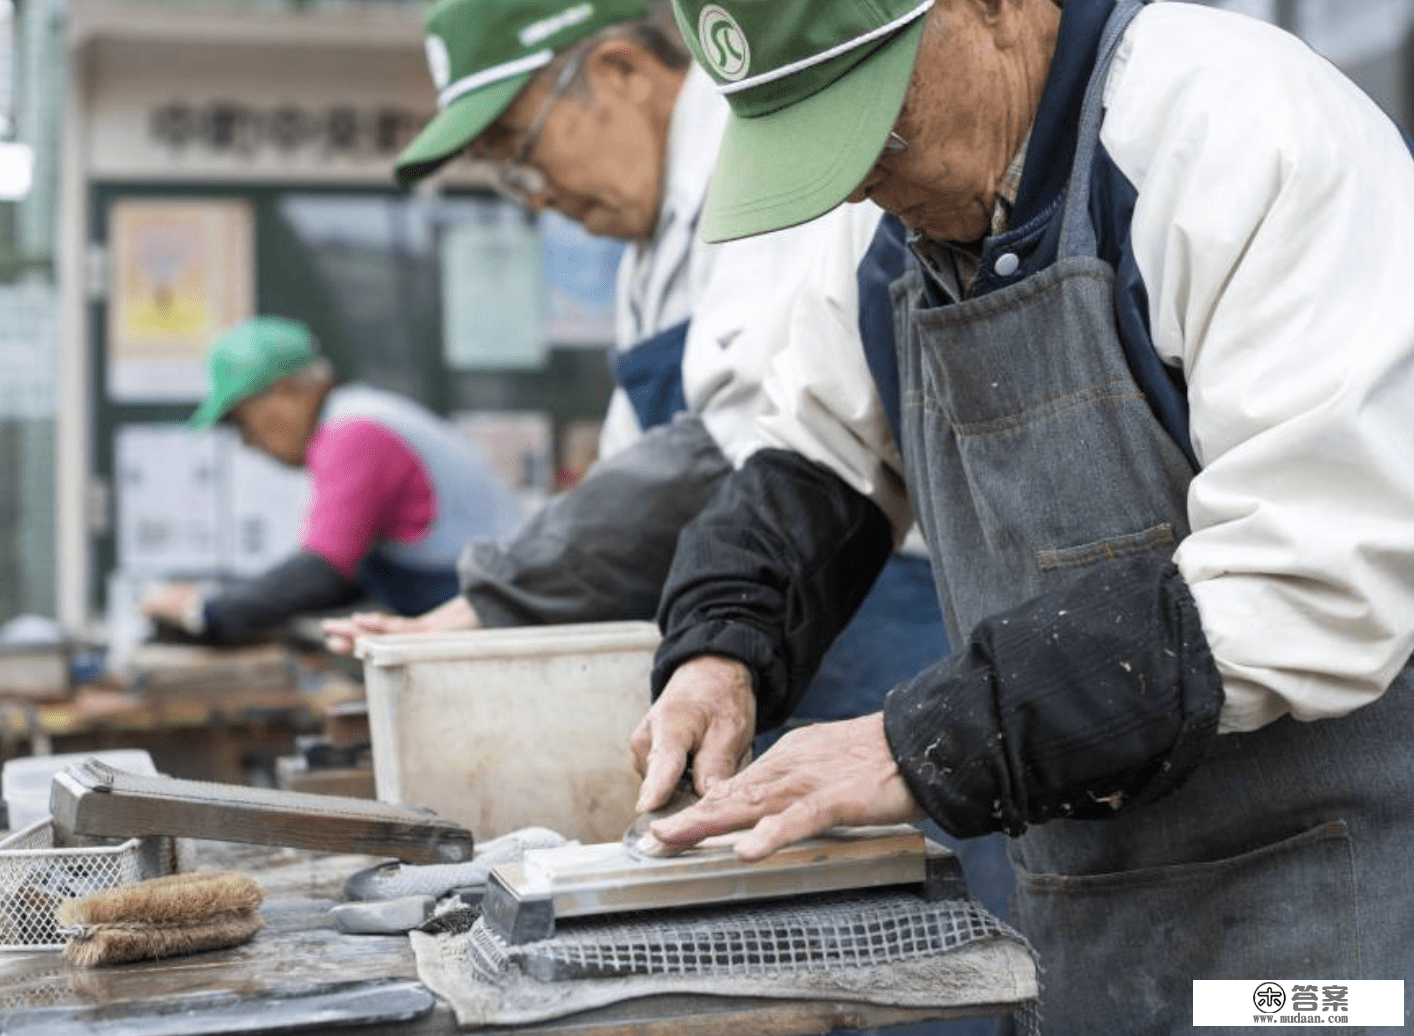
[[1285, 910], [1157, 539]]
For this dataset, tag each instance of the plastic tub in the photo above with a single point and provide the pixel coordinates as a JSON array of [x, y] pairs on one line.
[[510, 728]]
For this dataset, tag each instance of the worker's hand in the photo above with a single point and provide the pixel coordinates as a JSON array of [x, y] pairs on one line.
[[178, 604], [340, 635], [707, 711], [815, 778]]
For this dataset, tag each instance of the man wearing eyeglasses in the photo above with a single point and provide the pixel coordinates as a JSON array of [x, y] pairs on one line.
[[1152, 384], [596, 110]]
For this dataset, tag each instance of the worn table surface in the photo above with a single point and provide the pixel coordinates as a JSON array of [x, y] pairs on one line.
[[301, 975]]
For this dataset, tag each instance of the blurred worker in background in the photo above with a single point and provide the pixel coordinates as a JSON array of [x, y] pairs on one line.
[[396, 491]]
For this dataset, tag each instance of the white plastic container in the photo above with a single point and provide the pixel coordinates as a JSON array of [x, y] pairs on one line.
[[510, 728]]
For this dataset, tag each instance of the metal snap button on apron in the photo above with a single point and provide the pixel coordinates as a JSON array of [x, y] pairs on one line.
[[1007, 264]]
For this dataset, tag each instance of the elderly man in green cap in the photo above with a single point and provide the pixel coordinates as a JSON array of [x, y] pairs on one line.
[[595, 110], [1152, 378], [396, 491]]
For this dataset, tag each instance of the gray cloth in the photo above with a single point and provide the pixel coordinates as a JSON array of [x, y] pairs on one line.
[[949, 955], [601, 551]]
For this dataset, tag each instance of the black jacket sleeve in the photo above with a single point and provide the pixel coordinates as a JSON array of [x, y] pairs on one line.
[[1082, 703], [302, 583], [769, 573], [601, 551]]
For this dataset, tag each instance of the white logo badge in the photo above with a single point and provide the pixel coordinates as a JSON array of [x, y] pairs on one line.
[[724, 45], [439, 62]]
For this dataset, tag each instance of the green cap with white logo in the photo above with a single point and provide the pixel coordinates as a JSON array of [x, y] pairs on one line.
[[247, 360], [814, 87], [482, 53]]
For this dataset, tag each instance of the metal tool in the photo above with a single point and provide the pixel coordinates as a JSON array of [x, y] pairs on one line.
[[639, 841], [92, 798], [524, 901]]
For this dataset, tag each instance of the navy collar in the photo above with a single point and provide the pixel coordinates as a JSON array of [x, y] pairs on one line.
[[1052, 148]]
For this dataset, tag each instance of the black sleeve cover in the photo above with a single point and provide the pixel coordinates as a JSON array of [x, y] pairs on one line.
[[601, 551], [769, 573], [303, 582], [1081, 703]]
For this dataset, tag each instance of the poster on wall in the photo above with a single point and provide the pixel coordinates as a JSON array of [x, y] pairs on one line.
[[491, 292], [202, 505], [169, 500], [268, 506], [580, 272], [181, 271]]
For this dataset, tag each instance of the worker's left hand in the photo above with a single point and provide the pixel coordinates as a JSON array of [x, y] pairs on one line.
[[815, 778], [707, 712], [174, 603]]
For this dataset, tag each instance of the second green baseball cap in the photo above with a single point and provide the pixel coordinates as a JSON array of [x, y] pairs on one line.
[[482, 53], [814, 87], [247, 360]]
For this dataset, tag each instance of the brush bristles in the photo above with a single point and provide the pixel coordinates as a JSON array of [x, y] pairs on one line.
[[163, 917], [118, 943], [178, 897]]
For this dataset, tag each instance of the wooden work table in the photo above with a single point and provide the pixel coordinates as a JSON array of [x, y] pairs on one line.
[[301, 975]]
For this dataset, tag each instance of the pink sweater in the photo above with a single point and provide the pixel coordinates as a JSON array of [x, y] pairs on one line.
[[368, 486]]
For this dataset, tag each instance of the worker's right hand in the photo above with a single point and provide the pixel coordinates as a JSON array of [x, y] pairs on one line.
[[707, 711], [340, 635]]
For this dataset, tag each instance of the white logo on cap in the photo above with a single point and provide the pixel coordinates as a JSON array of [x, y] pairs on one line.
[[547, 27], [439, 62], [724, 45]]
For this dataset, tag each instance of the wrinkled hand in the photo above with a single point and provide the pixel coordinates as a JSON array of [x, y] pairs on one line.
[[813, 779], [172, 603], [707, 711], [340, 635]]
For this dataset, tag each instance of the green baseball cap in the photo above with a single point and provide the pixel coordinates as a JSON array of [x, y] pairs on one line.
[[814, 86], [482, 53], [247, 360]]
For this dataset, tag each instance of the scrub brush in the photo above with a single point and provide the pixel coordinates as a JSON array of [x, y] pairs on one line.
[[163, 917]]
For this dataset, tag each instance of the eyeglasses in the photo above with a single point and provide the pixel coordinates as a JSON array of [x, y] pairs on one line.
[[515, 176]]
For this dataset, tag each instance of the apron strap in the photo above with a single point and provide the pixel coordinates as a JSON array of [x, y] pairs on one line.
[[1077, 237], [651, 374]]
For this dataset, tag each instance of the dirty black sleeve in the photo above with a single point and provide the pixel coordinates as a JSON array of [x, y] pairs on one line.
[[769, 573], [300, 584], [1081, 703], [601, 551]]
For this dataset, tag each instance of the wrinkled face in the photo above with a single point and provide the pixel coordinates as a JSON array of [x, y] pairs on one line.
[[970, 102], [278, 422], [600, 148]]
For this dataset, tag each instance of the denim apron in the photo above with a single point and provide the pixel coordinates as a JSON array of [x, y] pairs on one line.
[[651, 375], [1032, 456]]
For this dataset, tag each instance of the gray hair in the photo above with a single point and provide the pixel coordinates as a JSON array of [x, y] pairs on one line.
[[656, 34], [318, 373]]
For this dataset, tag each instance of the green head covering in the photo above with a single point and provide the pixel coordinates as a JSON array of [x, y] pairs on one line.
[[247, 360], [482, 53], [814, 87]]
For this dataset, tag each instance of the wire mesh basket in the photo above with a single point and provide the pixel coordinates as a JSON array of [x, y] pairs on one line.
[[36, 876]]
